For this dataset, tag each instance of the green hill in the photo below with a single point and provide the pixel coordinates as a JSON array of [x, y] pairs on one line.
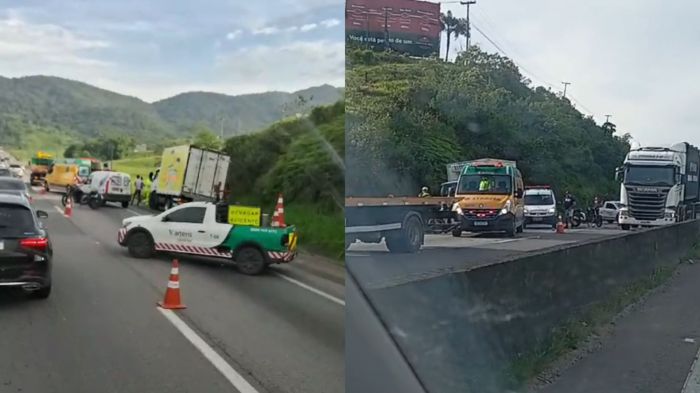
[[241, 114], [38, 108]]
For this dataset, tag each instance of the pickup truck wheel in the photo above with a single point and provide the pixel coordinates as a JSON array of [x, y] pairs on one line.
[[125, 204], [250, 261], [408, 239], [140, 245]]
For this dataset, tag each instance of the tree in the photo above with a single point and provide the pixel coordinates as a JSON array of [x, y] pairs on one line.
[[71, 151], [452, 25], [205, 138]]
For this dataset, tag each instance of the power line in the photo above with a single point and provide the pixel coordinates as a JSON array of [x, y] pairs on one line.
[[520, 66]]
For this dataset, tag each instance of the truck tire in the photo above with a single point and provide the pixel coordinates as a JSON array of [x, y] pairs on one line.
[[625, 227], [140, 245], [409, 238], [250, 260], [512, 231], [457, 232], [168, 204], [125, 204]]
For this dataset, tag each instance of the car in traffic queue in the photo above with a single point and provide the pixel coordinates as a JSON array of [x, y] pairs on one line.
[[540, 206], [610, 211], [17, 170], [25, 247], [9, 185], [203, 229]]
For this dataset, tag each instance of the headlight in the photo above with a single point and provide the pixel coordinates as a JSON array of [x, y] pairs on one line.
[[458, 209], [505, 209], [669, 215], [525, 210], [551, 210]]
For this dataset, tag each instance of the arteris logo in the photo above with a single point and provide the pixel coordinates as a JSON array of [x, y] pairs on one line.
[[179, 233]]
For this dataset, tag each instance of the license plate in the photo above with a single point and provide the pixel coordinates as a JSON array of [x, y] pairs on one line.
[[481, 223], [536, 218], [2, 245]]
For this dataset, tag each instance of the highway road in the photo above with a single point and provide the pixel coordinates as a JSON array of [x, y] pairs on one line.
[[100, 331]]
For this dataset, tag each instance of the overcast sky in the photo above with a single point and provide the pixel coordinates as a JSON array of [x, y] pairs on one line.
[[637, 60], [158, 48]]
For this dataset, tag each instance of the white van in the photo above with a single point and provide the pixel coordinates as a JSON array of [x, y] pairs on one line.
[[111, 186], [540, 206]]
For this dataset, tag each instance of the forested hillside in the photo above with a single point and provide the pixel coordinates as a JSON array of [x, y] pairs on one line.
[[304, 160], [408, 118], [51, 113]]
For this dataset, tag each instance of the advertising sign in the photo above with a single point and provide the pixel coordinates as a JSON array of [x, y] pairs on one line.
[[407, 26]]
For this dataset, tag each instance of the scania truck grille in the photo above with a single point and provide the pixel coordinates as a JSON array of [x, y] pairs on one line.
[[646, 206]]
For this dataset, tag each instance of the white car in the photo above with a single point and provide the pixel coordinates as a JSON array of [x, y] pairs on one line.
[[17, 170], [540, 206], [610, 211], [111, 186]]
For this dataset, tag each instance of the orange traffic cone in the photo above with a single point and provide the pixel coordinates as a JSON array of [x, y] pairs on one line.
[[278, 215], [172, 294], [560, 226], [68, 211]]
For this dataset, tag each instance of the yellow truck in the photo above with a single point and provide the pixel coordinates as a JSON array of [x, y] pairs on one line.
[[187, 174], [489, 197]]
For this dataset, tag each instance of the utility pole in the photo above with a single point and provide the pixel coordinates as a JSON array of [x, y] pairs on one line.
[[386, 29], [607, 118], [469, 28], [566, 84]]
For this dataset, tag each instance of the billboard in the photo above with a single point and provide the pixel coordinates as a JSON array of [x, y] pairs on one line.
[[407, 26]]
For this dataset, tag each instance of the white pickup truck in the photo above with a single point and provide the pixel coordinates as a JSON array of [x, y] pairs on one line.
[[202, 228]]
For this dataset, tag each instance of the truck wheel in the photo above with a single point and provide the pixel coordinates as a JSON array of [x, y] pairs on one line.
[[457, 232], [140, 245], [625, 227], [250, 261], [512, 231], [125, 204], [408, 239], [168, 204]]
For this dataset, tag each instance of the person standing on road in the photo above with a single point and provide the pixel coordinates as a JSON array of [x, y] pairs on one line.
[[569, 204], [137, 193]]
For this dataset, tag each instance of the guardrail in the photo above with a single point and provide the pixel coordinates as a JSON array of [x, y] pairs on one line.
[[462, 329]]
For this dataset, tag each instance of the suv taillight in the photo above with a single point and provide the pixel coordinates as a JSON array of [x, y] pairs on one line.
[[35, 243]]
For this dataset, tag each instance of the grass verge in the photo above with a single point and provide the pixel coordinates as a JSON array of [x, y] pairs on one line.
[[136, 165], [572, 334]]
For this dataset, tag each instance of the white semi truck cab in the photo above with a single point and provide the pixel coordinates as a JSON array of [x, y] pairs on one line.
[[659, 186]]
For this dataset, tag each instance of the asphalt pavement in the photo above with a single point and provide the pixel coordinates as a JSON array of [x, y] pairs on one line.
[[375, 267], [100, 330]]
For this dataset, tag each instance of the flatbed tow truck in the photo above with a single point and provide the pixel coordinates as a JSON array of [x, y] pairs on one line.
[[402, 221]]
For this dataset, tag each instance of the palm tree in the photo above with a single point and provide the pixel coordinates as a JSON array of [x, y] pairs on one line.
[[452, 25]]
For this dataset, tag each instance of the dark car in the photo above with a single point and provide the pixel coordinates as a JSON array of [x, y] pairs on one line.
[[25, 247], [14, 186]]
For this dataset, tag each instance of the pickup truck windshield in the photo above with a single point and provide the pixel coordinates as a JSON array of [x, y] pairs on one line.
[[486, 184], [650, 175]]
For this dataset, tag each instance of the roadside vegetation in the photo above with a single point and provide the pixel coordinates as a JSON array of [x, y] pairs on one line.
[[408, 118]]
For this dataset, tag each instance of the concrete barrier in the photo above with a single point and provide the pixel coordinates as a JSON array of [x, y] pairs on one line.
[[461, 330]]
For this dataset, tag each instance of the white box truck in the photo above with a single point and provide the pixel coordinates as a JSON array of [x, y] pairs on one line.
[[187, 174]]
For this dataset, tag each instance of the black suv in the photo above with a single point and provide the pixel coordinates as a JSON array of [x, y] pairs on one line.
[[25, 248]]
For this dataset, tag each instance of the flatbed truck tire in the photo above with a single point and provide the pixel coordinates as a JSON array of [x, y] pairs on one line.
[[625, 227], [409, 238]]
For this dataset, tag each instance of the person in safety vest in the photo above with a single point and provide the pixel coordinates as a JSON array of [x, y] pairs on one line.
[[147, 182], [484, 184]]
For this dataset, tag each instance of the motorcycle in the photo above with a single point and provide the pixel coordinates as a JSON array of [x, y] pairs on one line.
[[590, 217]]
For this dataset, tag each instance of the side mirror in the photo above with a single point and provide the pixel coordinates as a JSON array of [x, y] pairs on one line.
[[42, 214], [618, 174], [451, 191]]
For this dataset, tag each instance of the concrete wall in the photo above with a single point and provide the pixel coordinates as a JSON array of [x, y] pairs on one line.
[[460, 330]]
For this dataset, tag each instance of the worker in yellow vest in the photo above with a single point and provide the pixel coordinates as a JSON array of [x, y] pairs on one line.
[[147, 187]]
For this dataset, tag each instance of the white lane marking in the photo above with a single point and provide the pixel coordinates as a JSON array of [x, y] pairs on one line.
[[692, 382], [312, 289], [209, 353]]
